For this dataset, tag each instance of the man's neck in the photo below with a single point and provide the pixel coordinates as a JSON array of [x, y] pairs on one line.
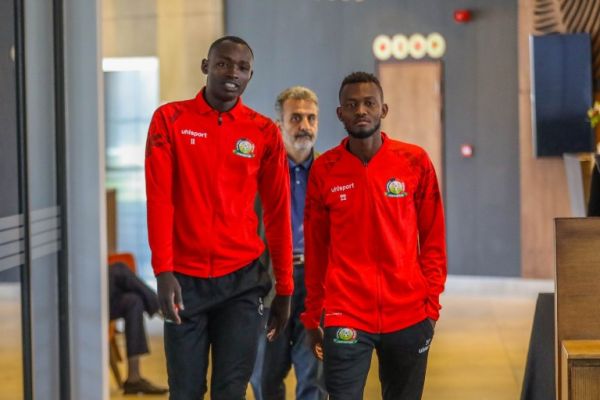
[[217, 104], [299, 156], [365, 149]]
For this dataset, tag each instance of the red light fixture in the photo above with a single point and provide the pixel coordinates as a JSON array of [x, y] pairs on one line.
[[462, 16]]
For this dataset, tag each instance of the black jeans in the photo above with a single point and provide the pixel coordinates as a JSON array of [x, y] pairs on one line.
[[402, 361], [222, 314]]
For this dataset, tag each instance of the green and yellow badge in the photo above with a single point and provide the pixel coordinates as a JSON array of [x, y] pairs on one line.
[[395, 188], [345, 336], [244, 148]]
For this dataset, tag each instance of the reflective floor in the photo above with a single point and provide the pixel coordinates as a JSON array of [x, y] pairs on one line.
[[478, 352], [11, 363]]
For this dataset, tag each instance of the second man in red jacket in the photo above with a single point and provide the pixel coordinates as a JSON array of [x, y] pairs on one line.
[[375, 252]]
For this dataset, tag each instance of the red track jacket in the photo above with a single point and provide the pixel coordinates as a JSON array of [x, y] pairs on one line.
[[374, 239], [203, 170]]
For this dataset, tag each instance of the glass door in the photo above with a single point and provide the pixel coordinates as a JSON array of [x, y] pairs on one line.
[[33, 320], [11, 217]]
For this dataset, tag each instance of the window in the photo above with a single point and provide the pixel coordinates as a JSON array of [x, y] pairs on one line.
[[131, 88]]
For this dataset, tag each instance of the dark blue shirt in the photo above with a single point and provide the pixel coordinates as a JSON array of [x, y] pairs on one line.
[[298, 181]]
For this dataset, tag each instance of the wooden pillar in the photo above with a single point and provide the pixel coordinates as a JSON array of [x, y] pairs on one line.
[[544, 194], [185, 30]]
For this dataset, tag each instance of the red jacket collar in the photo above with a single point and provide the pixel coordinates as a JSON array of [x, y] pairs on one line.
[[384, 139], [205, 108]]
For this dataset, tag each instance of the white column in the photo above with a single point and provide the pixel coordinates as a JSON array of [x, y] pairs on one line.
[[86, 204]]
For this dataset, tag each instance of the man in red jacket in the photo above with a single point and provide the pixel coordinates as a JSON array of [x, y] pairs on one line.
[[206, 160], [375, 252]]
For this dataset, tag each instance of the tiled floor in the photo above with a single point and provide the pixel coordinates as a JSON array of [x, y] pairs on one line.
[[11, 363], [478, 352], [479, 349]]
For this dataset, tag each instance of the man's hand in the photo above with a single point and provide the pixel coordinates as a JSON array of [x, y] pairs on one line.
[[315, 341], [169, 297], [278, 317]]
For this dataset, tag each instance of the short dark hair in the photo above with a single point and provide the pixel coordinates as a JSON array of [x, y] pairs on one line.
[[360, 77], [234, 39]]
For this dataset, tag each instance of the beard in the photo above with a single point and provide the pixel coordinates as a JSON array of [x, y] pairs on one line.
[[303, 145], [303, 141], [361, 133]]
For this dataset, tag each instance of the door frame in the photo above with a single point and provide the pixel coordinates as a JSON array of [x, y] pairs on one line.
[[27, 324]]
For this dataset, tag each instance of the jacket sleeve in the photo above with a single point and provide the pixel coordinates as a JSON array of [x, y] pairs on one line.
[[159, 193], [316, 251], [274, 191], [432, 235]]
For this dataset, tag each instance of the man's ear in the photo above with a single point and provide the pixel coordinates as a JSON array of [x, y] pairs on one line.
[[384, 110], [204, 66], [338, 111]]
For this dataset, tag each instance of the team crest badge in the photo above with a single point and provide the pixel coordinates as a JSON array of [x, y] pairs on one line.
[[345, 336], [244, 148], [395, 188]]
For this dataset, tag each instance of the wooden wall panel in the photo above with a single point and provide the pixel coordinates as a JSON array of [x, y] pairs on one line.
[[577, 282], [185, 30], [580, 370], [128, 28], [544, 194], [585, 381]]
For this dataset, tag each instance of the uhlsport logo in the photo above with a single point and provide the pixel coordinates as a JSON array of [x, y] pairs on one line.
[[342, 188], [345, 336], [194, 134], [395, 188], [244, 148]]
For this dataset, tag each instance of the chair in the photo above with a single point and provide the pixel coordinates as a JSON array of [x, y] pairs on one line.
[[113, 349]]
